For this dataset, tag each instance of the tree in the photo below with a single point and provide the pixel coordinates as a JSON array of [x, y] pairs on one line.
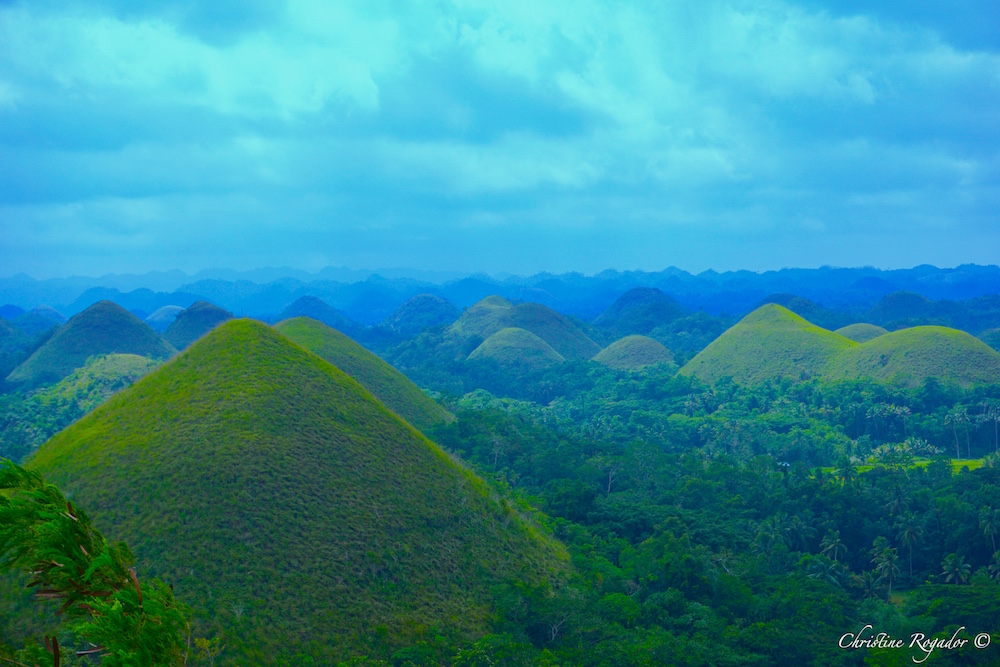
[[989, 522], [832, 546], [954, 569], [908, 532], [886, 566], [131, 623]]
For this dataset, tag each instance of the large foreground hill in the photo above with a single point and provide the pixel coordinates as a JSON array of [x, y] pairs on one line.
[[255, 476]]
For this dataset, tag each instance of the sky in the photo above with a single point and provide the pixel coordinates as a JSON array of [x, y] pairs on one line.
[[516, 136]]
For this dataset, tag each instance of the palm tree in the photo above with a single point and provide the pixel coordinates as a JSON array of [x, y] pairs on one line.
[[832, 547], [909, 532], [994, 566], [846, 471], [989, 521], [867, 583], [886, 566], [955, 569]]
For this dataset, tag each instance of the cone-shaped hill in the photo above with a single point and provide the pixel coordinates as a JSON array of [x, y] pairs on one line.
[[194, 322], [639, 311], [319, 310], [861, 332], [103, 328], [39, 319], [250, 473], [421, 312], [634, 352], [494, 313], [161, 318], [770, 342], [388, 385], [910, 355], [517, 348]]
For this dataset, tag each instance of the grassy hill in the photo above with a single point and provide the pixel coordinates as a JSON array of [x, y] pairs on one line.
[[861, 332], [161, 318], [770, 342], [319, 310], [421, 312], [104, 328], [910, 355], [494, 313], [633, 352], [289, 507], [14, 344], [515, 347], [639, 311], [390, 386], [194, 322]]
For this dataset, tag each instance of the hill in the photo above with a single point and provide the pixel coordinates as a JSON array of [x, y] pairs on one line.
[[910, 355], [104, 328], [161, 318], [861, 332], [288, 507], [639, 311], [387, 384], [14, 345], [421, 312], [494, 313], [194, 322], [319, 310], [513, 347], [634, 352], [770, 342], [38, 320]]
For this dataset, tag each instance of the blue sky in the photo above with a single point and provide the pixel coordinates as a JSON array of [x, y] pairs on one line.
[[517, 136]]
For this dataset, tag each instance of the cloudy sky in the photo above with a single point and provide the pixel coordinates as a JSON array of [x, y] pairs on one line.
[[513, 136]]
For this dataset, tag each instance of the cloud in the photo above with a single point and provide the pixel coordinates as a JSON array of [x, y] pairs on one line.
[[626, 124]]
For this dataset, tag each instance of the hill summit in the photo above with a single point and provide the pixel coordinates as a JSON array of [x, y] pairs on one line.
[[103, 328], [388, 385], [194, 322], [254, 476]]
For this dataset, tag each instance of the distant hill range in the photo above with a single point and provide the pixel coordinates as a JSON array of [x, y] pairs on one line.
[[254, 476], [319, 310], [103, 328], [370, 298], [194, 322], [390, 386], [773, 342]]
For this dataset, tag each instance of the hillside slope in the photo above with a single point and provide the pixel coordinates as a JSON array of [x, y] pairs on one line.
[[253, 475], [390, 386], [421, 312], [103, 328]]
